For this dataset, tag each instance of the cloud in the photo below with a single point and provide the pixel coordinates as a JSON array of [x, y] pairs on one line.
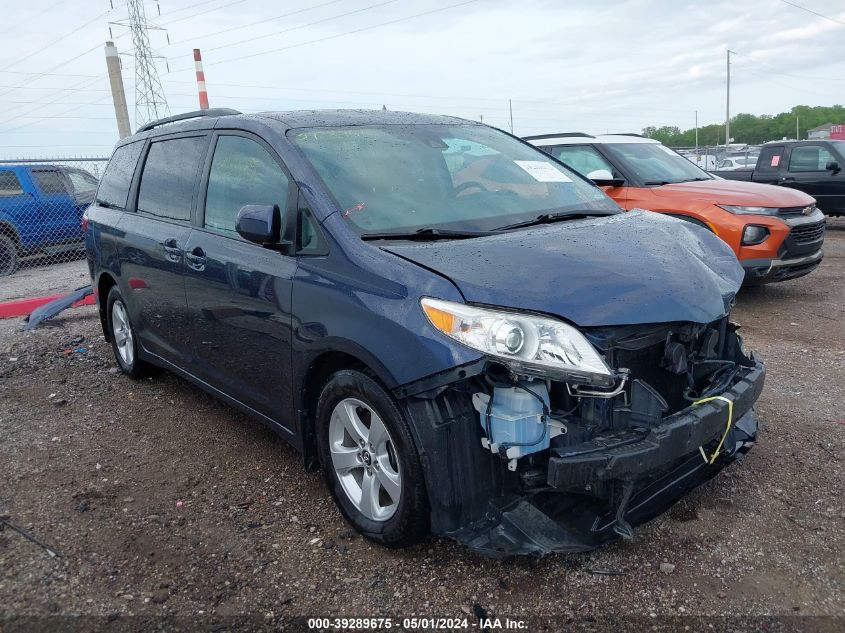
[[619, 65]]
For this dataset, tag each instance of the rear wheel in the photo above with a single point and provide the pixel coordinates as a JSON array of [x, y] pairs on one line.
[[8, 255], [370, 462], [123, 339]]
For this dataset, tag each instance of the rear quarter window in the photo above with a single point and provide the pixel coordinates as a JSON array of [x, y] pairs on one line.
[[9, 184], [117, 179], [169, 176]]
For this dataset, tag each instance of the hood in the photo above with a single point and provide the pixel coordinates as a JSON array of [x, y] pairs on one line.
[[736, 192], [629, 268]]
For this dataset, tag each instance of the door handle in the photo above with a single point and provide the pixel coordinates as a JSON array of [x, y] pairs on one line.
[[172, 251], [196, 259], [787, 179]]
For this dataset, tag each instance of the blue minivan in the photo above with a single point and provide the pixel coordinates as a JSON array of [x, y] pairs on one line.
[[469, 339]]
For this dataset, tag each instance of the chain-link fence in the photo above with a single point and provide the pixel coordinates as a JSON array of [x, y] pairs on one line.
[[721, 158], [41, 205]]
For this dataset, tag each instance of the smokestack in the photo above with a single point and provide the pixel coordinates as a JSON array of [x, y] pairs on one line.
[[201, 80], [118, 95]]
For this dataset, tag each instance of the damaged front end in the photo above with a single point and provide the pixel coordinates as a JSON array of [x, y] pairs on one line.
[[521, 463]]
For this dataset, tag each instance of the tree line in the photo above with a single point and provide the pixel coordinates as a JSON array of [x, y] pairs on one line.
[[751, 129]]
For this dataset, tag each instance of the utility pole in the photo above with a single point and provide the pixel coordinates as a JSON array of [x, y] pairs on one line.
[[797, 133], [150, 102], [728, 104], [118, 95], [510, 107], [696, 135]]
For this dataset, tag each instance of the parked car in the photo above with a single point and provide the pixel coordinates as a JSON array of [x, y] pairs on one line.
[[814, 167], [737, 162], [40, 211], [776, 233], [469, 338]]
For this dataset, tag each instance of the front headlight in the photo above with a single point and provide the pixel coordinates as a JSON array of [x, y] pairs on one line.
[[526, 343], [740, 210]]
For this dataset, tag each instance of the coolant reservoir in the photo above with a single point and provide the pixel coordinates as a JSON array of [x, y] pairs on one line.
[[516, 419]]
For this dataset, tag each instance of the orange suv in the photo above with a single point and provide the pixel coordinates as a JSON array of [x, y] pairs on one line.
[[776, 232]]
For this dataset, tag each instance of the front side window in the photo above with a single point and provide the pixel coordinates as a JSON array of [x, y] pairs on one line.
[[114, 186], [809, 158], [463, 177], [9, 184], [655, 164], [583, 159], [170, 173], [242, 173], [49, 181]]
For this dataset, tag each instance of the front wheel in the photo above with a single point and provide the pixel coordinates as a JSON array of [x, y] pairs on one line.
[[370, 462]]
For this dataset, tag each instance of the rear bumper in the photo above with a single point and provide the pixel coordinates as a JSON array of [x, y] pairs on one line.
[[585, 503], [761, 271]]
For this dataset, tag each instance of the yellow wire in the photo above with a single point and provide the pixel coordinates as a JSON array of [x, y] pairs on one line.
[[727, 428]]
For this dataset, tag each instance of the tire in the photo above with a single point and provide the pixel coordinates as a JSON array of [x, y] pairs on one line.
[[124, 341], [349, 408], [8, 255]]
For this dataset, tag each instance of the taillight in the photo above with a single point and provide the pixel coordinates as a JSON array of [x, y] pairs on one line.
[[84, 222]]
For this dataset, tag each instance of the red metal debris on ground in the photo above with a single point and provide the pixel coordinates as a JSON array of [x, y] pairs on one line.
[[24, 307]]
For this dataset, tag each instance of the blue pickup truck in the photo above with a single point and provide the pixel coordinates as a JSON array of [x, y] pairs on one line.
[[41, 210]]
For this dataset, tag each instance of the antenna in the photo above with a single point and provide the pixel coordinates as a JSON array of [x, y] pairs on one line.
[[150, 102]]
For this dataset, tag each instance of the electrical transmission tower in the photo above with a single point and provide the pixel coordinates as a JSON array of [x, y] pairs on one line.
[[150, 102]]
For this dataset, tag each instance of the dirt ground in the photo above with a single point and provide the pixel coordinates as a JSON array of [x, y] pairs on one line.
[[163, 502]]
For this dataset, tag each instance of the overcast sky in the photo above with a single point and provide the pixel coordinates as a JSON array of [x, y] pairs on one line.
[[567, 65]]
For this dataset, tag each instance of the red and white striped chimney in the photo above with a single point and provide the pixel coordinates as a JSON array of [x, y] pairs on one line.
[[201, 80]]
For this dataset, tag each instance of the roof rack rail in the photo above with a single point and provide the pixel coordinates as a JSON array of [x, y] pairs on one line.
[[630, 134], [561, 135], [212, 112]]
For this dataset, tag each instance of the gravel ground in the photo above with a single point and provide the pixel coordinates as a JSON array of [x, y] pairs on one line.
[[36, 279], [164, 502]]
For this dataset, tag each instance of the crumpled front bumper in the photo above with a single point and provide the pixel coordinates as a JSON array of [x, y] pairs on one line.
[[658, 468]]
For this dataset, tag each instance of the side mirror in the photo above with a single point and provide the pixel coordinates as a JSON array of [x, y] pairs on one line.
[[261, 224], [833, 166], [604, 178]]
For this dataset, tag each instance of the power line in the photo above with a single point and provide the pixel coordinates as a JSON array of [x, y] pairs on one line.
[[228, 4], [56, 41], [24, 72], [336, 35], [816, 13], [84, 84], [16, 23], [57, 66], [263, 21], [303, 26]]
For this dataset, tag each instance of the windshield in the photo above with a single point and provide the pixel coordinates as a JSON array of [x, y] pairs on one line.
[[398, 178], [654, 163]]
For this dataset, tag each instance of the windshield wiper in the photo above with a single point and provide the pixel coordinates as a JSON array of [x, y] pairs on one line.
[[655, 183], [427, 233], [548, 218]]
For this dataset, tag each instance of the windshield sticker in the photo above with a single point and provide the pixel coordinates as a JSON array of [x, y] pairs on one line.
[[775, 160], [358, 207], [542, 171]]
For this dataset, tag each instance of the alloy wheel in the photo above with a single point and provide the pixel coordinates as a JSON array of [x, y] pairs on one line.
[[122, 333], [364, 459]]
